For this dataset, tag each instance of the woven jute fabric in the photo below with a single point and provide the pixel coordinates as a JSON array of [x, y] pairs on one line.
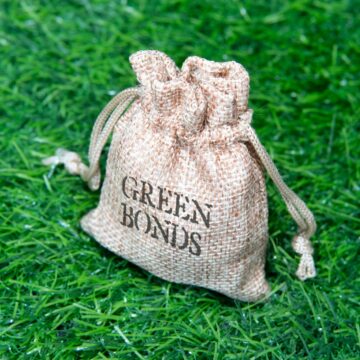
[[184, 194]]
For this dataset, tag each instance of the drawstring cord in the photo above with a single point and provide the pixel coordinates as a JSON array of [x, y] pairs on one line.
[[296, 207], [102, 129]]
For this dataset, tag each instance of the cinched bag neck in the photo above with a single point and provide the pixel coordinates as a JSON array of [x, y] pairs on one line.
[[113, 112], [202, 90]]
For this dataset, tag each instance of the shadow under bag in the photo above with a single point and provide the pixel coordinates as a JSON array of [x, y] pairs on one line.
[[184, 195]]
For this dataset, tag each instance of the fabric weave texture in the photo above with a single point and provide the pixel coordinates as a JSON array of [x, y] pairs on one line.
[[184, 194]]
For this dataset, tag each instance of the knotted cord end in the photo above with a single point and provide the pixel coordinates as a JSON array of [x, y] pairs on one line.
[[72, 163], [74, 166], [306, 269]]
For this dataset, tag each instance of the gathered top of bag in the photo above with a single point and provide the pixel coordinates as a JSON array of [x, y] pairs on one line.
[[203, 91]]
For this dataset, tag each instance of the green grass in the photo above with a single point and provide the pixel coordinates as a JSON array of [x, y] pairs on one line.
[[62, 296]]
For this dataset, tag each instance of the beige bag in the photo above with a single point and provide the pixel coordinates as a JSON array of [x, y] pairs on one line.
[[184, 194]]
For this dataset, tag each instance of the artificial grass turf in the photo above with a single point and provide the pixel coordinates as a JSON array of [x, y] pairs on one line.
[[62, 295]]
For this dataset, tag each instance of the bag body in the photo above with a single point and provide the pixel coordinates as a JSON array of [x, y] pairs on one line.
[[184, 194]]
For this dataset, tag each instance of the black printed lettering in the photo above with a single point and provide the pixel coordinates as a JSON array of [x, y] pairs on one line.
[[165, 216]]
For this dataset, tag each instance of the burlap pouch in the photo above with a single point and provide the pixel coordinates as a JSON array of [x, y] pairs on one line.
[[184, 195]]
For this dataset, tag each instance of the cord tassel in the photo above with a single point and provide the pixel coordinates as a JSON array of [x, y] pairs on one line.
[[70, 160], [73, 165], [306, 268]]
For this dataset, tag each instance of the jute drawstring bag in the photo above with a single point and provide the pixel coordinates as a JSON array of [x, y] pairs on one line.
[[184, 195]]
